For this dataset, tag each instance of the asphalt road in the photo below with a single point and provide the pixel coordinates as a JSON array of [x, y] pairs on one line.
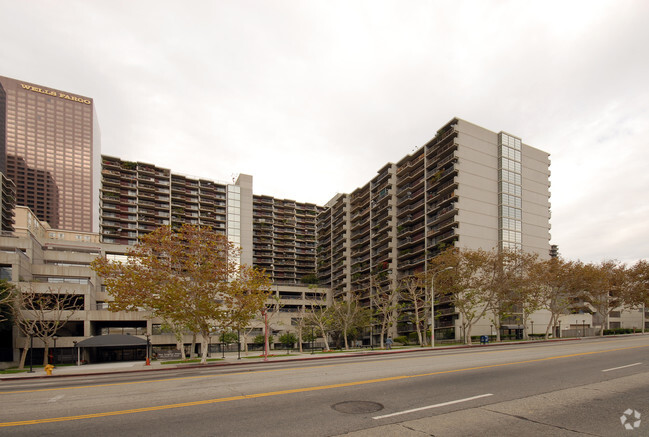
[[568, 388]]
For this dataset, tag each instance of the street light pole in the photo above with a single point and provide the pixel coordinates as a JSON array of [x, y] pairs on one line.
[[265, 335], [148, 357], [78, 352], [532, 322], [239, 344], [31, 351], [54, 337], [432, 306]]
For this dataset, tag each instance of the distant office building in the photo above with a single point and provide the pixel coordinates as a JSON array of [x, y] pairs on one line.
[[49, 147]]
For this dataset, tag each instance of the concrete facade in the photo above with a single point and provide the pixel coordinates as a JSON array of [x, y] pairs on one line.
[[45, 260], [467, 187]]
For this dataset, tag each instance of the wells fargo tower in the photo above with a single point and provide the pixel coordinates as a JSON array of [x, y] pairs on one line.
[[49, 147]]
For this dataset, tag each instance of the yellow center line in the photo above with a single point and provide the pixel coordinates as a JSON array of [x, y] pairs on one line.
[[296, 390]]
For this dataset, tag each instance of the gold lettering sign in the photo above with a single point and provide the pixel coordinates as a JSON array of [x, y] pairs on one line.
[[55, 94]]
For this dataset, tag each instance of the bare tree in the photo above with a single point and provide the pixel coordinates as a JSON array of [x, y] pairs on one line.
[[413, 292], [41, 315], [6, 300], [385, 303], [348, 317], [320, 317]]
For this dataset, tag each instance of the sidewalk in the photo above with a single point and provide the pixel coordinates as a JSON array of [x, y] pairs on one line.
[[231, 359]]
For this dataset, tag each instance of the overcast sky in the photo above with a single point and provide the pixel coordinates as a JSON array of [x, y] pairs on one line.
[[313, 97]]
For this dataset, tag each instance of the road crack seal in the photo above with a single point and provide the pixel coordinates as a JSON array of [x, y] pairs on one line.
[[527, 419]]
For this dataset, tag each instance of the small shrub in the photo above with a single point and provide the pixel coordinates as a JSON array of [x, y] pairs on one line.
[[401, 339]]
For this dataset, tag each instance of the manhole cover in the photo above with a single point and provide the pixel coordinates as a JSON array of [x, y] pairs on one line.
[[357, 407]]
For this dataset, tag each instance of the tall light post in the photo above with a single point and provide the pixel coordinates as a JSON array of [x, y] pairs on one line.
[[54, 337], [31, 351], [432, 305], [532, 323], [148, 356], [78, 352], [238, 343], [265, 334]]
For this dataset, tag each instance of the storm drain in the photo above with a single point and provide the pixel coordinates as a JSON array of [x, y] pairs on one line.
[[357, 407]]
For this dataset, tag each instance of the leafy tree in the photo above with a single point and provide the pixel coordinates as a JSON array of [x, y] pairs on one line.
[[228, 337], [190, 277], [310, 279], [466, 283], [637, 294], [508, 290], [261, 338], [560, 284], [288, 339], [604, 286]]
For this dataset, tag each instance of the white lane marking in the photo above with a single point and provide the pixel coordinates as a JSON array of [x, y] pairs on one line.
[[56, 398], [622, 367], [434, 406]]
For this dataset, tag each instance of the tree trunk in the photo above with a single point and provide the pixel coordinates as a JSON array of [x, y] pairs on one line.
[[550, 325], [205, 338], [181, 347], [383, 331], [23, 357], [180, 344], [418, 327], [324, 338], [46, 355], [467, 334], [299, 339], [192, 351]]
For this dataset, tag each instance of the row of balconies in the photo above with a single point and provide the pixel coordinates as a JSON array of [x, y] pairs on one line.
[[413, 206], [416, 173]]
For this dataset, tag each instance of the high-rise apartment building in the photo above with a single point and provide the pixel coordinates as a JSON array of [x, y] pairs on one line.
[[137, 197], [284, 242], [467, 187], [49, 147], [274, 234]]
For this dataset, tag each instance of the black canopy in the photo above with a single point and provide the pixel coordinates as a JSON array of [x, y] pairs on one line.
[[112, 340]]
